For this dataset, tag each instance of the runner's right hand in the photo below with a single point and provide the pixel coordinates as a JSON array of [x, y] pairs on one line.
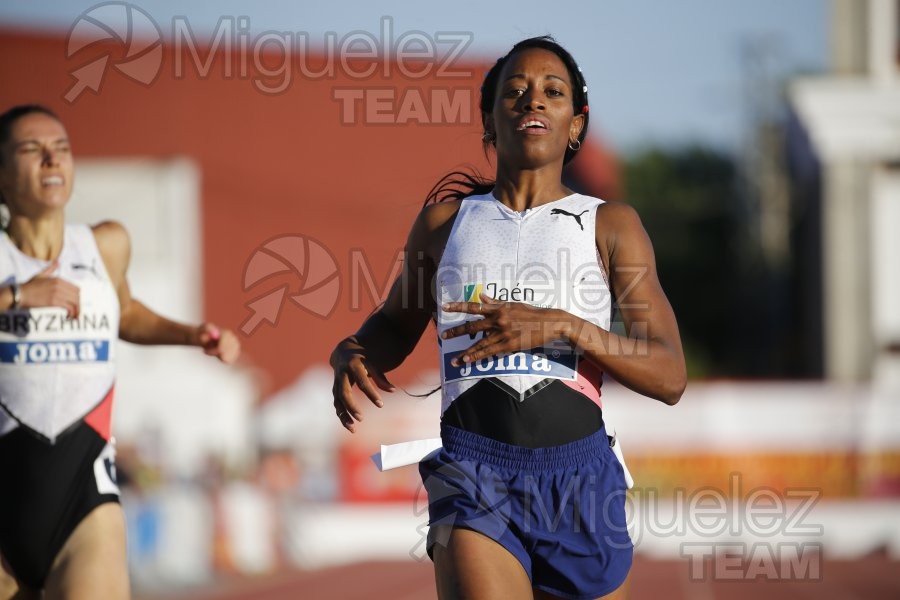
[[350, 367], [45, 289]]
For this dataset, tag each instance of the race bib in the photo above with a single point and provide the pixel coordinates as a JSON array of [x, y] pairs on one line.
[[557, 360]]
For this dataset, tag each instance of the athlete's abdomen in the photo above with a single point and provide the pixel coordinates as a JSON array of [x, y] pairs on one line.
[[551, 416]]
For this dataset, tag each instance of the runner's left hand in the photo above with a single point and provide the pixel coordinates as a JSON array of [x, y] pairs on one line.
[[508, 327], [221, 343]]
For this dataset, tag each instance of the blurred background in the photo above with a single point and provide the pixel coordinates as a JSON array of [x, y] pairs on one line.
[[269, 159]]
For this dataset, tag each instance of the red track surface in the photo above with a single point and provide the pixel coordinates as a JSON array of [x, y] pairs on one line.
[[873, 578]]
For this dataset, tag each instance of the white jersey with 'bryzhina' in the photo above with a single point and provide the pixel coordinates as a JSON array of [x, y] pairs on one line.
[[55, 370]]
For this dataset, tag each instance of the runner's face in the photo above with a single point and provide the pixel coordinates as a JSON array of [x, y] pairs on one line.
[[37, 169], [533, 117]]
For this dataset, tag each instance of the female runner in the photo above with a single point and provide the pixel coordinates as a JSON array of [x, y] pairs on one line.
[[64, 299], [526, 498]]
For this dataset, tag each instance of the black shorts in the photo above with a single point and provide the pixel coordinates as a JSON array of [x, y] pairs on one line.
[[46, 491]]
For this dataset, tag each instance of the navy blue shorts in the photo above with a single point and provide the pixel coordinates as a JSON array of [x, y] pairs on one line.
[[559, 510]]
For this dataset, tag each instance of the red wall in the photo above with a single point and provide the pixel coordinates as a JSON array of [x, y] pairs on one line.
[[271, 165]]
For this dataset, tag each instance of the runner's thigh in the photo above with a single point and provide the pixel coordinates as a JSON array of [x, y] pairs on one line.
[[472, 566], [92, 564]]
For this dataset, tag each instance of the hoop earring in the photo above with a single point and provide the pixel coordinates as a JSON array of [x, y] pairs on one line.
[[575, 146], [488, 137]]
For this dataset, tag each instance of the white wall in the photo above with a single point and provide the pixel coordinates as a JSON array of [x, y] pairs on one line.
[[176, 403], [885, 252]]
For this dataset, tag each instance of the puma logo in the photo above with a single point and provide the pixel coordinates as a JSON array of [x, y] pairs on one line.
[[559, 211], [83, 267]]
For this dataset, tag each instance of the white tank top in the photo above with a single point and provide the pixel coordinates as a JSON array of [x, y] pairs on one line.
[[545, 256], [54, 370]]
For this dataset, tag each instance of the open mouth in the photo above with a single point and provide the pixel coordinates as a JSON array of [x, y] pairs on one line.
[[532, 125]]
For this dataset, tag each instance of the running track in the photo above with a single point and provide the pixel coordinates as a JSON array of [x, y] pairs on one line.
[[873, 578]]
